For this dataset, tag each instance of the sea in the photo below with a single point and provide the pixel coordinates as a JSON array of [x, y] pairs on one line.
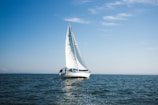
[[50, 89]]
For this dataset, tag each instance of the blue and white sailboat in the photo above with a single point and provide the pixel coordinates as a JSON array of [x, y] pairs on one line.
[[75, 66]]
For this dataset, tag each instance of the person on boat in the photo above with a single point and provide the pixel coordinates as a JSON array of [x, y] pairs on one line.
[[61, 71]]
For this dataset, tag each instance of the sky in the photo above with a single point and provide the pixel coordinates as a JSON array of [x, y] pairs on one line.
[[114, 36]]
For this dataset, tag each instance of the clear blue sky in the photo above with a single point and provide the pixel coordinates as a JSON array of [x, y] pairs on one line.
[[114, 36]]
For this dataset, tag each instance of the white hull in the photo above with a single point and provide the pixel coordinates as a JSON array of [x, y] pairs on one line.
[[75, 75]]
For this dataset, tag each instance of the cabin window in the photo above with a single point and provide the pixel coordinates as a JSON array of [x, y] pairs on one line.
[[83, 70]]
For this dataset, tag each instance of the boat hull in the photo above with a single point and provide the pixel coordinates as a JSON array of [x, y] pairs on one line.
[[75, 75]]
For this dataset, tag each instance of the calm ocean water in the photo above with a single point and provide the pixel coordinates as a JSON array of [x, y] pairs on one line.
[[49, 89]]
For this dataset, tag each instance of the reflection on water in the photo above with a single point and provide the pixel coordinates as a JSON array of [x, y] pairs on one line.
[[74, 91], [72, 87]]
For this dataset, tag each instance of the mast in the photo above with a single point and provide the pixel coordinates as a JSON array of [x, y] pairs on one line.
[[73, 42], [69, 50]]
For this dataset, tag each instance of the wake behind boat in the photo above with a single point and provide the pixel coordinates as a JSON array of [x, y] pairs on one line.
[[75, 66]]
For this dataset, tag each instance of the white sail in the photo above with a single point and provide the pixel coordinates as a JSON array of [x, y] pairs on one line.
[[73, 57]]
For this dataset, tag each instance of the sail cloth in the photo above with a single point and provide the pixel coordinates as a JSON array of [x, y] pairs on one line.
[[73, 56]]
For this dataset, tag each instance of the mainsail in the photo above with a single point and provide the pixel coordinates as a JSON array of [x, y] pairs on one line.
[[73, 56]]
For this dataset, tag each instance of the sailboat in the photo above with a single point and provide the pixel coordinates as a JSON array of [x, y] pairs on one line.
[[75, 66]]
